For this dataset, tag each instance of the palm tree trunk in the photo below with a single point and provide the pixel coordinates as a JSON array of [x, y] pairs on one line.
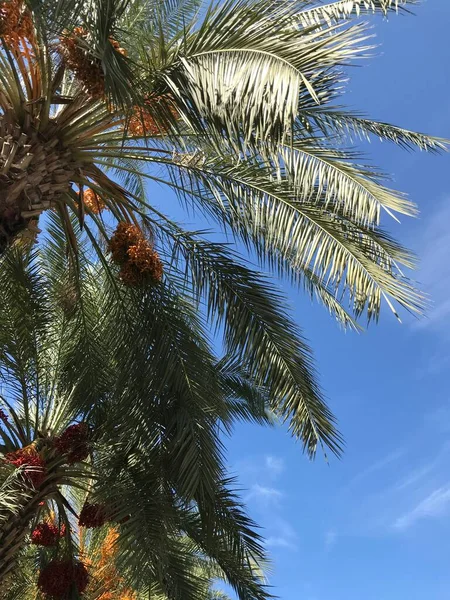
[[34, 171], [15, 528]]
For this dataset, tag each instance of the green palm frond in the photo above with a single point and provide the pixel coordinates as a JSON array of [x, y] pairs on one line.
[[156, 402], [244, 73], [234, 106], [265, 341], [246, 401], [102, 550], [313, 237], [171, 16], [337, 120], [332, 12]]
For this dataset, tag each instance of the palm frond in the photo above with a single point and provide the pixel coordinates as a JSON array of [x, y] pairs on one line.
[[336, 11], [243, 75], [307, 236], [341, 122], [261, 337], [231, 533], [23, 320], [165, 458]]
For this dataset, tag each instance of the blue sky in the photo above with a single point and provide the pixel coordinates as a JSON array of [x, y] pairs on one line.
[[376, 524]]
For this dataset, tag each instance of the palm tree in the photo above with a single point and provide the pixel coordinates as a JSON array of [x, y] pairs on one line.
[[100, 552], [93, 435], [234, 108]]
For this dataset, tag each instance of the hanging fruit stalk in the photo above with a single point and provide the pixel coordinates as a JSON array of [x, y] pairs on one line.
[[74, 443], [37, 481], [47, 534], [15, 22], [32, 463], [138, 260], [75, 50], [109, 584], [93, 515], [93, 201], [58, 578], [144, 121]]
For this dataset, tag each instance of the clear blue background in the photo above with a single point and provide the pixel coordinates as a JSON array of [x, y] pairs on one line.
[[375, 525]]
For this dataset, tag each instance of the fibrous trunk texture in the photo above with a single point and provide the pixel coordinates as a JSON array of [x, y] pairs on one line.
[[14, 527], [35, 169]]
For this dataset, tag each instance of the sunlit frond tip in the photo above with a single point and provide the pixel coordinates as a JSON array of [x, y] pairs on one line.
[[344, 9]]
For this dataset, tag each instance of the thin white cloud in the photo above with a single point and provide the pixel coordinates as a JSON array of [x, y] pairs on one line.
[[267, 496], [266, 499], [423, 476], [274, 465], [379, 465], [258, 468], [390, 504], [285, 536], [434, 273], [434, 505], [280, 542], [331, 537], [416, 476]]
